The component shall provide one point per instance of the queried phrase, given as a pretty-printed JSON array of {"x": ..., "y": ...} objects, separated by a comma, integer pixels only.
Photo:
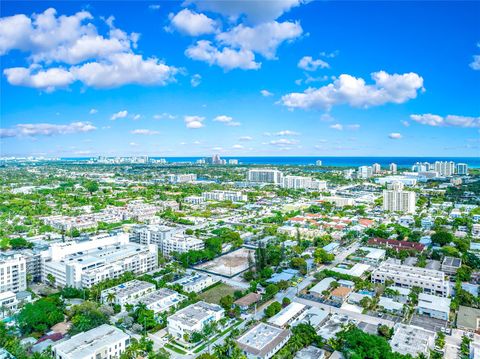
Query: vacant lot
[
  {"x": 214, "y": 294},
  {"x": 230, "y": 264}
]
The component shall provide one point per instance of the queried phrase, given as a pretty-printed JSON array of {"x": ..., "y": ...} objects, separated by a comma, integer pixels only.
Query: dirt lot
[
  {"x": 214, "y": 294},
  {"x": 229, "y": 264}
]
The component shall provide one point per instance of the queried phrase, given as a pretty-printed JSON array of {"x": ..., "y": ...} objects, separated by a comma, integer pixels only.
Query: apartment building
[
  {"x": 196, "y": 282},
  {"x": 265, "y": 175},
  {"x": 103, "y": 342},
  {"x": 161, "y": 300},
  {"x": 217, "y": 195},
  {"x": 462, "y": 169},
  {"x": 126, "y": 293},
  {"x": 85, "y": 263},
  {"x": 365, "y": 172},
  {"x": 181, "y": 178},
  {"x": 180, "y": 243},
  {"x": 263, "y": 341},
  {"x": 300, "y": 182},
  {"x": 13, "y": 273},
  {"x": 393, "y": 168},
  {"x": 444, "y": 168},
  {"x": 193, "y": 318},
  {"x": 194, "y": 199},
  {"x": 339, "y": 201},
  {"x": 434, "y": 306},
  {"x": 395, "y": 199},
  {"x": 431, "y": 281},
  {"x": 8, "y": 302}
]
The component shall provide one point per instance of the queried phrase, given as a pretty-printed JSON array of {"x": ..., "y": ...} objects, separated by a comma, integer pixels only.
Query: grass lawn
[
  {"x": 175, "y": 349},
  {"x": 214, "y": 294}
]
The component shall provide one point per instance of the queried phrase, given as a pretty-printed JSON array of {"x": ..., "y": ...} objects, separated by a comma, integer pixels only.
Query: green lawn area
[
  {"x": 214, "y": 294},
  {"x": 4, "y": 242},
  {"x": 175, "y": 349}
]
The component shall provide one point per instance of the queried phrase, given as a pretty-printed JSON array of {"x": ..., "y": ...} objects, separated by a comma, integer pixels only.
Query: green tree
[
  {"x": 40, "y": 315},
  {"x": 272, "y": 309}
]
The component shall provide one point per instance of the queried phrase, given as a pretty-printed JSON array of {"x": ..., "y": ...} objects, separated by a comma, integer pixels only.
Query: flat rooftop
[
  {"x": 195, "y": 313},
  {"x": 87, "y": 343},
  {"x": 409, "y": 339},
  {"x": 262, "y": 338},
  {"x": 127, "y": 289}
]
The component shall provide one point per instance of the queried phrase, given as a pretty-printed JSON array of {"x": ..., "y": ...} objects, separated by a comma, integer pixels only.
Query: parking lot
[
  {"x": 393, "y": 318},
  {"x": 435, "y": 325}
]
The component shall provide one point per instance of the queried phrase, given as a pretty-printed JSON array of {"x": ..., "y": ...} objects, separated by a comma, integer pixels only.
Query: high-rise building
[
  {"x": 13, "y": 273},
  {"x": 376, "y": 168},
  {"x": 393, "y": 167},
  {"x": 365, "y": 172},
  {"x": 300, "y": 182},
  {"x": 462, "y": 169},
  {"x": 218, "y": 195},
  {"x": 444, "y": 168},
  {"x": 395, "y": 199},
  {"x": 265, "y": 175},
  {"x": 181, "y": 178},
  {"x": 318, "y": 163},
  {"x": 233, "y": 162},
  {"x": 421, "y": 167}
]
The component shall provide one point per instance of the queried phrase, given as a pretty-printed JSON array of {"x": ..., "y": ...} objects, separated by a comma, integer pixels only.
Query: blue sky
[{"x": 250, "y": 78}]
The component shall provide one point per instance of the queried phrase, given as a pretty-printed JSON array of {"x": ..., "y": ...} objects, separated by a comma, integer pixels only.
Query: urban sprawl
[{"x": 139, "y": 258}]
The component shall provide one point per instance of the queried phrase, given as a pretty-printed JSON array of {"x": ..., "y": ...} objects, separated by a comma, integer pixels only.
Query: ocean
[{"x": 402, "y": 162}]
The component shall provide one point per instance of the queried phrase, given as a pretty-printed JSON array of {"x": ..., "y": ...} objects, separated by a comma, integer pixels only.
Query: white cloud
[
  {"x": 46, "y": 129},
  {"x": 405, "y": 123},
  {"x": 227, "y": 120},
  {"x": 154, "y": 7},
  {"x": 396, "y": 88},
  {"x": 226, "y": 58},
  {"x": 287, "y": 133},
  {"x": 263, "y": 39},
  {"x": 96, "y": 60},
  {"x": 143, "y": 131},
  {"x": 337, "y": 126},
  {"x": 283, "y": 142},
  {"x": 136, "y": 117},
  {"x": 353, "y": 127},
  {"x": 475, "y": 64},
  {"x": 119, "y": 114},
  {"x": 47, "y": 80},
  {"x": 238, "y": 147},
  {"x": 196, "y": 80},
  {"x": 266, "y": 93},
  {"x": 254, "y": 11},
  {"x": 395, "y": 136},
  {"x": 125, "y": 68},
  {"x": 307, "y": 63},
  {"x": 133, "y": 144},
  {"x": 194, "y": 121},
  {"x": 246, "y": 138},
  {"x": 93, "y": 111},
  {"x": 192, "y": 23},
  {"x": 164, "y": 116},
  {"x": 447, "y": 121},
  {"x": 326, "y": 117}
]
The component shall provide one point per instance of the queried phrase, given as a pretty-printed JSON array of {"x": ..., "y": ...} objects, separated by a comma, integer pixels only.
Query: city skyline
[{"x": 173, "y": 79}]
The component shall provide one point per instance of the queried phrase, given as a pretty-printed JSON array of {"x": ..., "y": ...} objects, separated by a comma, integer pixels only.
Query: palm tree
[
  {"x": 111, "y": 297},
  {"x": 128, "y": 307}
]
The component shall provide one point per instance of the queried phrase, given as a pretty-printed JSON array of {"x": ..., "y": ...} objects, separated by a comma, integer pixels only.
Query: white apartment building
[
  {"x": 395, "y": 199},
  {"x": 160, "y": 300},
  {"x": 217, "y": 195},
  {"x": 263, "y": 341},
  {"x": 431, "y": 281},
  {"x": 193, "y": 318},
  {"x": 196, "y": 282},
  {"x": 462, "y": 169},
  {"x": 103, "y": 342},
  {"x": 9, "y": 302},
  {"x": 365, "y": 172},
  {"x": 376, "y": 168},
  {"x": 300, "y": 182},
  {"x": 393, "y": 168},
  {"x": 444, "y": 168},
  {"x": 13, "y": 273},
  {"x": 126, "y": 293},
  {"x": 194, "y": 199},
  {"x": 434, "y": 306},
  {"x": 339, "y": 201},
  {"x": 182, "y": 178},
  {"x": 265, "y": 175},
  {"x": 180, "y": 243},
  {"x": 85, "y": 263}
]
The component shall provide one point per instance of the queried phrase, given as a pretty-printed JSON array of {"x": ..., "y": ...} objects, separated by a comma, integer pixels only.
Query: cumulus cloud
[
  {"x": 337, "y": 126},
  {"x": 263, "y": 39},
  {"x": 253, "y": 11},
  {"x": 143, "y": 131},
  {"x": 65, "y": 49},
  {"x": 283, "y": 142},
  {"x": 194, "y": 121},
  {"x": 395, "y": 136},
  {"x": 196, "y": 80},
  {"x": 387, "y": 88},
  {"x": 475, "y": 64},
  {"x": 307, "y": 63},
  {"x": 447, "y": 121},
  {"x": 287, "y": 133},
  {"x": 164, "y": 116},
  {"x": 238, "y": 147},
  {"x": 46, "y": 129},
  {"x": 227, "y": 120},
  {"x": 119, "y": 114},
  {"x": 266, "y": 93},
  {"x": 246, "y": 138},
  {"x": 154, "y": 7},
  {"x": 93, "y": 111},
  {"x": 192, "y": 23},
  {"x": 226, "y": 58},
  {"x": 405, "y": 123}
]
